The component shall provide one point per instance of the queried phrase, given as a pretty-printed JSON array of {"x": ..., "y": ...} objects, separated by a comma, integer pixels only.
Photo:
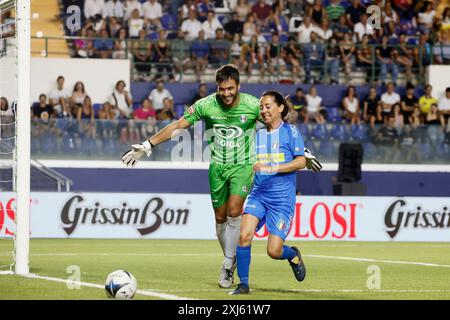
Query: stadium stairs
[{"x": 45, "y": 22}]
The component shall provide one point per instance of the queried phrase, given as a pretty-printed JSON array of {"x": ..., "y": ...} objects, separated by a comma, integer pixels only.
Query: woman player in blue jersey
[{"x": 279, "y": 154}]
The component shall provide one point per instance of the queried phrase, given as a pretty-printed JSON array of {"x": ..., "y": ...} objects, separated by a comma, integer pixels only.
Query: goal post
[{"x": 22, "y": 146}]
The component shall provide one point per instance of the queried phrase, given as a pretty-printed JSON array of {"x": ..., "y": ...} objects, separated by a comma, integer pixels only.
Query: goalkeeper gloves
[
  {"x": 131, "y": 157},
  {"x": 311, "y": 162}
]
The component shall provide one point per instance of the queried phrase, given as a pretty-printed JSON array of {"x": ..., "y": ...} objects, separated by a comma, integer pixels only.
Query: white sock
[
  {"x": 232, "y": 233},
  {"x": 220, "y": 231}
]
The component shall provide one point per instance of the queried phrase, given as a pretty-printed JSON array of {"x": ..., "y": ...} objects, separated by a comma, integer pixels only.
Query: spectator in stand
[
  {"x": 298, "y": 102},
  {"x": 236, "y": 51},
  {"x": 158, "y": 95},
  {"x": 422, "y": 52},
  {"x": 121, "y": 45},
  {"x": 350, "y": 104},
  {"x": 334, "y": 10},
  {"x": 114, "y": 8},
  {"x": 145, "y": 111},
  {"x": 389, "y": 19},
  {"x": 323, "y": 31},
  {"x": 292, "y": 56},
  {"x": 387, "y": 139},
  {"x": 426, "y": 18},
  {"x": 317, "y": 12},
  {"x": 93, "y": 8},
  {"x": 104, "y": 46},
  {"x": 113, "y": 27},
  {"x": 404, "y": 56},
  {"x": 106, "y": 128},
  {"x": 262, "y": 11},
  {"x": 416, "y": 118},
  {"x": 81, "y": 44},
  {"x": 183, "y": 11},
  {"x": 378, "y": 118},
  {"x": 242, "y": 10},
  {"x": 130, "y": 133},
  {"x": 364, "y": 57},
  {"x": 191, "y": 27},
  {"x": 435, "y": 119},
  {"x": 162, "y": 54},
  {"x": 354, "y": 12},
  {"x": 203, "y": 7},
  {"x": 341, "y": 28},
  {"x": 152, "y": 13},
  {"x": 389, "y": 98},
  {"x": 219, "y": 49},
  {"x": 249, "y": 28},
  {"x": 122, "y": 100},
  {"x": 399, "y": 119},
  {"x": 314, "y": 106},
  {"x": 85, "y": 118},
  {"x": 441, "y": 49},
  {"x": 135, "y": 24},
  {"x": 409, "y": 102},
  {"x": 233, "y": 27},
  {"x": 200, "y": 54},
  {"x": 59, "y": 98},
  {"x": 332, "y": 60},
  {"x": 404, "y": 9},
  {"x": 5, "y": 110},
  {"x": 386, "y": 58},
  {"x": 314, "y": 56},
  {"x": 201, "y": 93},
  {"x": 180, "y": 50},
  {"x": 211, "y": 25},
  {"x": 38, "y": 108},
  {"x": 305, "y": 30},
  {"x": 166, "y": 113},
  {"x": 276, "y": 64},
  {"x": 444, "y": 105},
  {"x": 142, "y": 53},
  {"x": 362, "y": 28},
  {"x": 371, "y": 103},
  {"x": 347, "y": 48},
  {"x": 78, "y": 95},
  {"x": 427, "y": 100},
  {"x": 295, "y": 7},
  {"x": 131, "y": 5}
]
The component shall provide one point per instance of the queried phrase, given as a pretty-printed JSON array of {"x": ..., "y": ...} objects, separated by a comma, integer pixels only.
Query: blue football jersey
[{"x": 279, "y": 146}]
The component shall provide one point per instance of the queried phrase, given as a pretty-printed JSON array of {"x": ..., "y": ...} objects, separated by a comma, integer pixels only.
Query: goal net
[{"x": 14, "y": 135}]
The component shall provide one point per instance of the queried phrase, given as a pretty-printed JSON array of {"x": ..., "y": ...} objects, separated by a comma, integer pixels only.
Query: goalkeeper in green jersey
[{"x": 230, "y": 117}]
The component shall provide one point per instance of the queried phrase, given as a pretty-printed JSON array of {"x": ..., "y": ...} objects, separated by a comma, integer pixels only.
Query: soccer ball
[{"x": 121, "y": 284}]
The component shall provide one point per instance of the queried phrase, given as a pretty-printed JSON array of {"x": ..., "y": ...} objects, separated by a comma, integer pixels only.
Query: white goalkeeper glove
[
  {"x": 137, "y": 151},
  {"x": 311, "y": 162}
]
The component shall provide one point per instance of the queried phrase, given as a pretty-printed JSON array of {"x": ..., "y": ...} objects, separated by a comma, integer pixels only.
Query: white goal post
[{"x": 22, "y": 151}]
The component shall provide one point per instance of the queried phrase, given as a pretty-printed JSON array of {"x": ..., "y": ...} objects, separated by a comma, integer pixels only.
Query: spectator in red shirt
[
  {"x": 262, "y": 11},
  {"x": 145, "y": 111}
]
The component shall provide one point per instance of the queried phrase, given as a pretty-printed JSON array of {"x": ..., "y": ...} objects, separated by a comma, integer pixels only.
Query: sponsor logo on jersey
[
  {"x": 275, "y": 145},
  {"x": 227, "y": 132},
  {"x": 218, "y": 118}
]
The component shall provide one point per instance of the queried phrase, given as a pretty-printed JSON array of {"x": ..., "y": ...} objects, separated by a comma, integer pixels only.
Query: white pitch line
[
  {"x": 98, "y": 286},
  {"x": 425, "y": 264},
  {"x": 320, "y": 290}
]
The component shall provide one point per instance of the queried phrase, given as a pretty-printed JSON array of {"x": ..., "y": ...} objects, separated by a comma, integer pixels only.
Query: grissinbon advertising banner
[{"x": 190, "y": 216}]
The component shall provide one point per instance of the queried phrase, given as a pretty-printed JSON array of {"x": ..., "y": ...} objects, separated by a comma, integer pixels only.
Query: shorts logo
[
  {"x": 191, "y": 110},
  {"x": 243, "y": 119},
  {"x": 281, "y": 225},
  {"x": 244, "y": 189}
]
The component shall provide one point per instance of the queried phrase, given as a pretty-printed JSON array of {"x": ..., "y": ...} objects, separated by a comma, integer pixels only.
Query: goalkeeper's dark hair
[
  {"x": 279, "y": 100},
  {"x": 228, "y": 71}
]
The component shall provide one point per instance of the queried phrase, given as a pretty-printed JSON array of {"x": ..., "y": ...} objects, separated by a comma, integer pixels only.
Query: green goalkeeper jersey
[{"x": 229, "y": 131}]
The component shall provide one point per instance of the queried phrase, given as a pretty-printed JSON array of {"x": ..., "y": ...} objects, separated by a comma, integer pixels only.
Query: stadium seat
[
  {"x": 339, "y": 132},
  {"x": 333, "y": 114},
  {"x": 326, "y": 149},
  {"x": 303, "y": 130},
  {"x": 169, "y": 22},
  {"x": 358, "y": 132},
  {"x": 319, "y": 132}
]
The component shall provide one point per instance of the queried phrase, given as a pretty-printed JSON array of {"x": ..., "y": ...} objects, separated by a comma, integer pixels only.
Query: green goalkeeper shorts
[{"x": 227, "y": 179}]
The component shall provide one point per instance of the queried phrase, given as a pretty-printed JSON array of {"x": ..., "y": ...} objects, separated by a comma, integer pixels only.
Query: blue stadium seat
[
  {"x": 339, "y": 132},
  {"x": 152, "y": 36},
  {"x": 169, "y": 22},
  {"x": 333, "y": 114},
  {"x": 369, "y": 150},
  {"x": 319, "y": 132},
  {"x": 97, "y": 107},
  {"x": 303, "y": 128},
  {"x": 326, "y": 149},
  {"x": 358, "y": 132}
]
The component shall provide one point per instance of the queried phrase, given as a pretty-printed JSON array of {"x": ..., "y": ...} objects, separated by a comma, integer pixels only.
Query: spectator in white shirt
[
  {"x": 152, "y": 13},
  {"x": 191, "y": 26},
  {"x": 304, "y": 32},
  {"x": 59, "y": 97},
  {"x": 323, "y": 31},
  {"x": 426, "y": 18},
  {"x": 211, "y": 25},
  {"x": 444, "y": 105},
  {"x": 135, "y": 24},
  {"x": 122, "y": 100},
  {"x": 313, "y": 106},
  {"x": 114, "y": 8},
  {"x": 362, "y": 27},
  {"x": 93, "y": 8},
  {"x": 158, "y": 95},
  {"x": 389, "y": 98},
  {"x": 130, "y": 5}
]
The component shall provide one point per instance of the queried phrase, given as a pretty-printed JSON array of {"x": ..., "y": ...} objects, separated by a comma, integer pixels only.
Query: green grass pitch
[{"x": 190, "y": 269}]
